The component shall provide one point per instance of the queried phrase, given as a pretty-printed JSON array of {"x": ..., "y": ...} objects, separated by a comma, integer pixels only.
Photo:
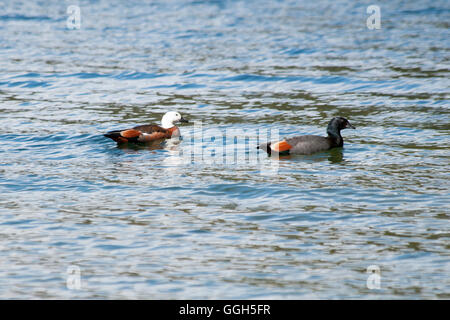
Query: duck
[
  {"x": 150, "y": 132},
  {"x": 309, "y": 144}
]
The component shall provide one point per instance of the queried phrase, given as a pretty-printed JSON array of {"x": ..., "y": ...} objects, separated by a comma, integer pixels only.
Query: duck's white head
[{"x": 171, "y": 118}]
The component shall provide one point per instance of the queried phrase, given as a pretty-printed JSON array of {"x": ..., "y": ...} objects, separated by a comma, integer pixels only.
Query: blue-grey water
[{"x": 156, "y": 223}]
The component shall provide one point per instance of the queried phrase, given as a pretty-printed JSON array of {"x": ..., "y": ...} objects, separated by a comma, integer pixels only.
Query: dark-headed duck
[{"x": 310, "y": 144}]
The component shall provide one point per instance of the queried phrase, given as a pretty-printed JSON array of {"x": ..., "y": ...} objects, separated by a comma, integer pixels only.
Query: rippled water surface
[{"x": 157, "y": 223}]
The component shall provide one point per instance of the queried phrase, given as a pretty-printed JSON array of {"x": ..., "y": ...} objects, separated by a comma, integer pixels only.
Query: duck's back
[
  {"x": 150, "y": 128},
  {"x": 309, "y": 144}
]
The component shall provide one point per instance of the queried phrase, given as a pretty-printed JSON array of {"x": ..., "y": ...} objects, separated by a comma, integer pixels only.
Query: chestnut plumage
[{"x": 150, "y": 132}]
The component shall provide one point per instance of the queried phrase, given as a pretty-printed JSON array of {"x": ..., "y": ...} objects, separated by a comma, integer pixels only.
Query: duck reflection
[
  {"x": 138, "y": 147},
  {"x": 161, "y": 144},
  {"x": 335, "y": 155}
]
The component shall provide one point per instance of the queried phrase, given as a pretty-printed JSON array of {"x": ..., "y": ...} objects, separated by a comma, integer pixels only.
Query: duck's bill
[
  {"x": 349, "y": 125},
  {"x": 184, "y": 120}
]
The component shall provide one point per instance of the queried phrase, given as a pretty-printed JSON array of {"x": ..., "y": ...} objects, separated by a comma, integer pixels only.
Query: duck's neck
[
  {"x": 334, "y": 134},
  {"x": 167, "y": 124}
]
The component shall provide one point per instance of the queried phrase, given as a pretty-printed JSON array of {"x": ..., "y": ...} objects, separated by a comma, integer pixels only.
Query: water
[{"x": 154, "y": 223}]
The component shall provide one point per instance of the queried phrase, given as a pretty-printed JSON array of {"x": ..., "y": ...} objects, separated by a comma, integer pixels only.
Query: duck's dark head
[{"x": 337, "y": 124}]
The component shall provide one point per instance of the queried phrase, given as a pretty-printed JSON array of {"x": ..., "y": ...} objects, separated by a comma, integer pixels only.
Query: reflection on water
[
  {"x": 190, "y": 218},
  {"x": 336, "y": 155},
  {"x": 153, "y": 145}
]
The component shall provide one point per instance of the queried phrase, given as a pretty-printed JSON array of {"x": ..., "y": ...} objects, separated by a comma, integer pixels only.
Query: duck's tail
[
  {"x": 265, "y": 147},
  {"x": 123, "y": 136},
  {"x": 115, "y": 135},
  {"x": 281, "y": 147}
]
